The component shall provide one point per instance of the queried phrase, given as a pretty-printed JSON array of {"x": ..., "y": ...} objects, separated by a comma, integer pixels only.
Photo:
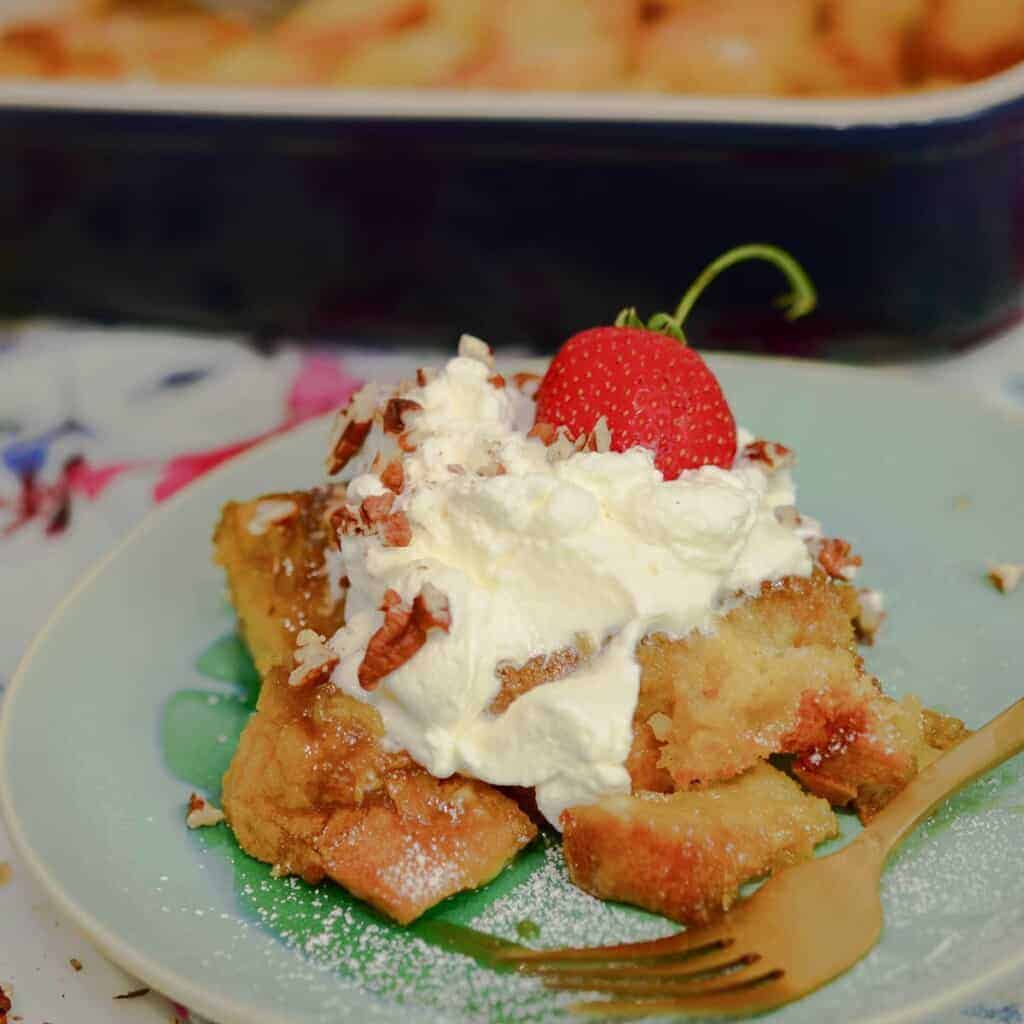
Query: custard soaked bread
[
  {"x": 686, "y": 854},
  {"x": 779, "y": 675},
  {"x": 310, "y": 789}
]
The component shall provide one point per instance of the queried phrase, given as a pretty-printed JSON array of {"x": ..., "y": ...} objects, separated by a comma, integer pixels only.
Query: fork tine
[
  {"x": 748, "y": 971},
  {"x": 692, "y": 942},
  {"x": 764, "y": 992},
  {"x": 683, "y": 966}
]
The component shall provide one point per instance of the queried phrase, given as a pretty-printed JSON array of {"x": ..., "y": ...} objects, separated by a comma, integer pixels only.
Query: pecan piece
[
  {"x": 403, "y": 633},
  {"x": 835, "y": 558},
  {"x": 314, "y": 660},
  {"x": 395, "y": 412},
  {"x": 393, "y": 476},
  {"x": 201, "y": 813},
  {"x": 773, "y": 455},
  {"x": 342, "y": 522},
  {"x": 395, "y": 531},
  {"x": 527, "y": 383},
  {"x": 351, "y": 428},
  {"x": 376, "y": 508},
  {"x": 1006, "y": 576}
]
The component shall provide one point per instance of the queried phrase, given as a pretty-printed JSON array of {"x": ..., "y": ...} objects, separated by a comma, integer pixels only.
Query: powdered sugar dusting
[{"x": 565, "y": 915}]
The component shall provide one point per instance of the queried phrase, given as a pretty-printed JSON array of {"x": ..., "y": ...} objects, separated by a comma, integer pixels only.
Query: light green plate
[{"x": 135, "y": 694}]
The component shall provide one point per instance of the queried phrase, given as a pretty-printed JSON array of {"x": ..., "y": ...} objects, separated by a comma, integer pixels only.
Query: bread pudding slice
[
  {"x": 310, "y": 789},
  {"x": 686, "y": 854},
  {"x": 780, "y": 674}
]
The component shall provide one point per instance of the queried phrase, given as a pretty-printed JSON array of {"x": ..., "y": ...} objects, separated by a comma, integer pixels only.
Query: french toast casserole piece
[{"x": 312, "y": 791}]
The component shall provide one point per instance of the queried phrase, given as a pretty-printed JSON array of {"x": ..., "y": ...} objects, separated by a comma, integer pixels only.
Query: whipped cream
[{"x": 536, "y": 553}]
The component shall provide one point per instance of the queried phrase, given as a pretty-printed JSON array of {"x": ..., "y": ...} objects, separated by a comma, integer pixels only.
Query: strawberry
[{"x": 652, "y": 390}]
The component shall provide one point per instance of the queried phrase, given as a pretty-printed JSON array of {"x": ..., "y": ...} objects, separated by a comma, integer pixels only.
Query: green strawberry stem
[{"x": 798, "y": 302}]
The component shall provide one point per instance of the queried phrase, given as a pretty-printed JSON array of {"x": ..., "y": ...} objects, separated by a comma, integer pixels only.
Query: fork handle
[{"x": 992, "y": 744}]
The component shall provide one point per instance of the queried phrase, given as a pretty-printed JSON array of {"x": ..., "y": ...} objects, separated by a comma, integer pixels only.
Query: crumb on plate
[
  {"x": 201, "y": 813},
  {"x": 1006, "y": 576}
]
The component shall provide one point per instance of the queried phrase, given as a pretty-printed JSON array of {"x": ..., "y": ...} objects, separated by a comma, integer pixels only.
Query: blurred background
[{"x": 397, "y": 171}]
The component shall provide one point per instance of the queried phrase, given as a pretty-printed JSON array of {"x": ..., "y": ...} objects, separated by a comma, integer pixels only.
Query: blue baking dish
[{"x": 412, "y": 216}]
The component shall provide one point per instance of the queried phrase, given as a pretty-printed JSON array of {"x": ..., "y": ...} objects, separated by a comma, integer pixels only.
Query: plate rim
[{"x": 223, "y": 1010}]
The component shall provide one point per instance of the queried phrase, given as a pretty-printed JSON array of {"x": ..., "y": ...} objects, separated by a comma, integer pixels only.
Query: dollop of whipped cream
[{"x": 538, "y": 554}]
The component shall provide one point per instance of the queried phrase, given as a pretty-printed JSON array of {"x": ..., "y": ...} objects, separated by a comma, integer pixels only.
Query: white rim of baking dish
[{"x": 140, "y": 97}]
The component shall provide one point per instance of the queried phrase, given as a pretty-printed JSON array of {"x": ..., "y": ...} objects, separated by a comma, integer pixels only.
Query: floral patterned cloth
[{"x": 97, "y": 426}]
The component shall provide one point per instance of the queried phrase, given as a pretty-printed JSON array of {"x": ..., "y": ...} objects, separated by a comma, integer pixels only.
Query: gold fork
[{"x": 803, "y": 927}]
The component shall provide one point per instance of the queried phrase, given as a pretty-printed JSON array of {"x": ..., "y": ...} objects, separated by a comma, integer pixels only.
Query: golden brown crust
[
  {"x": 779, "y": 675},
  {"x": 706, "y": 47},
  {"x": 686, "y": 854},
  {"x": 310, "y": 790},
  {"x": 276, "y": 578}
]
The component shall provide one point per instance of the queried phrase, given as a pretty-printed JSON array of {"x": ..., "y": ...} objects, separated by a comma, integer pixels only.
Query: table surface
[{"x": 96, "y": 426}]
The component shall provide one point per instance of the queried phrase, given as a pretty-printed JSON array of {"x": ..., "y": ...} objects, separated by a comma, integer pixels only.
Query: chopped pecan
[
  {"x": 201, "y": 813},
  {"x": 393, "y": 476},
  {"x": 341, "y": 521},
  {"x": 424, "y": 375},
  {"x": 527, "y": 383},
  {"x": 376, "y": 507},
  {"x": 351, "y": 428},
  {"x": 835, "y": 558},
  {"x": 1006, "y": 576},
  {"x": 395, "y": 531},
  {"x": 496, "y": 380},
  {"x": 314, "y": 660},
  {"x": 403, "y": 633},
  {"x": 773, "y": 455},
  {"x": 395, "y": 412},
  {"x": 6, "y": 994}
]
